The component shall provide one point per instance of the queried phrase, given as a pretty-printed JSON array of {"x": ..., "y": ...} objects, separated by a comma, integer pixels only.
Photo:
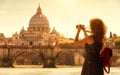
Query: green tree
[
  {"x": 117, "y": 41},
  {"x": 115, "y": 35}
]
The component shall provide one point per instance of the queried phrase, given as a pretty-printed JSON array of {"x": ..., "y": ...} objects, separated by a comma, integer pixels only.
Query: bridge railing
[{"x": 40, "y": 47}]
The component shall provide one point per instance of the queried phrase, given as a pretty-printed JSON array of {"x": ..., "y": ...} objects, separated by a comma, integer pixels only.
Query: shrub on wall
[{"x": 117, "y": 41}]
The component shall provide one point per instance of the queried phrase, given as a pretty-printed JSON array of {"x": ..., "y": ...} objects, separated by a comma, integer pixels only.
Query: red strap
[
  {"x": 106, "y": 58},
  {"x": 107, "y": 71}
]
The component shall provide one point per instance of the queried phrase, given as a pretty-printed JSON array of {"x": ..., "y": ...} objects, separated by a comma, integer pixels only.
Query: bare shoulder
[{"x": 90, "y": 39}]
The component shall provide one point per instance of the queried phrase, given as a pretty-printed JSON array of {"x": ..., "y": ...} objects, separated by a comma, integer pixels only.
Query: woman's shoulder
[{"x": 90, "y": 39}]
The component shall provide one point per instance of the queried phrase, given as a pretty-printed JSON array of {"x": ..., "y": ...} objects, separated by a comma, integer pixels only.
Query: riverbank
[{"x": 50, "y": 71}]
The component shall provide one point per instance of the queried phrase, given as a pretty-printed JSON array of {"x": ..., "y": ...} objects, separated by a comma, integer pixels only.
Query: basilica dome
[{"x": 39, "y": 22}]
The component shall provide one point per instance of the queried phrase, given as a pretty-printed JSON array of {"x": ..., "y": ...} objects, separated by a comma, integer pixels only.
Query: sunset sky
[{"x": 63, "y": 14}]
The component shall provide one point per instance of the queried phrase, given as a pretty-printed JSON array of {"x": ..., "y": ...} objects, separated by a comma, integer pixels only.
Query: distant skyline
[{"x": 63, "y": 14}]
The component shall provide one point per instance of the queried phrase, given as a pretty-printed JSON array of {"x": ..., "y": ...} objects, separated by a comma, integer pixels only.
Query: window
[
  {"x": 30, "y": 43},
  {"x": 22, "y": 44}
]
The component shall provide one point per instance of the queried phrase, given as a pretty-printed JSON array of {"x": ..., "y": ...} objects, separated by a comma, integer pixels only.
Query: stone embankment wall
[{"x": 115, "y": 60}]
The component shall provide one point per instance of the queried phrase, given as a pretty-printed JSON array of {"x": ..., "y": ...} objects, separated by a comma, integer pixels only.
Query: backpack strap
[
  {"x": 107, "y": 71},
  {"x": 106, "y": 62}
]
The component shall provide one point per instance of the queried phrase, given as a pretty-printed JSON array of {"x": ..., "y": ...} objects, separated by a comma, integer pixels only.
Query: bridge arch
[
  {"x": 70, "y": 57},
  {"x": 118, "y": 61},
  {"x": 35, "y": 55}
]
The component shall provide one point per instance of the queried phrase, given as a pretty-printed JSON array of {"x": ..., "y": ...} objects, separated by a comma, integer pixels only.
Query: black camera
[{"x": 82, "y": 26}]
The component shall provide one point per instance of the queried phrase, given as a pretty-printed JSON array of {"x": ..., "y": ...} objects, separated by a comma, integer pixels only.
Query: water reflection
[{"x": 49, "y": 71}]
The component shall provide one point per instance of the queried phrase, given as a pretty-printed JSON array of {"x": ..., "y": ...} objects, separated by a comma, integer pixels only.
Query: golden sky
[{"x": 63, "y": 14}]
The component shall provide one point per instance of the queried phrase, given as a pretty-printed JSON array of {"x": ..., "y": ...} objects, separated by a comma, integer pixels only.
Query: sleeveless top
[{"x": 93, "y": 62}]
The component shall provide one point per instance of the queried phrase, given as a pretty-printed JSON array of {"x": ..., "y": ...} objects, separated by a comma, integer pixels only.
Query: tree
[
  {"x": 117, "y": 41},
  {"x": 115, "y": 35}
]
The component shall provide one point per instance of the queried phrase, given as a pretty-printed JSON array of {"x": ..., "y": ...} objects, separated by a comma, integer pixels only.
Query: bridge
[{"x": 47, "y": 55}]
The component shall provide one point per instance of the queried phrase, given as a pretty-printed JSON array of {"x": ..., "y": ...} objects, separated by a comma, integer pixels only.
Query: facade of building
[
  {"x": 2, "y": 39},
  {"x": 37, "y": 33}
]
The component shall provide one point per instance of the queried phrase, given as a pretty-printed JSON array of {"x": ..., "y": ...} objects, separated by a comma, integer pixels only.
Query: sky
[{"x": 64, "y": 15}]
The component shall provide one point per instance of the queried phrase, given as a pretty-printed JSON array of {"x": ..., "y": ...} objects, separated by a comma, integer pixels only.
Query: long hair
[{"x": 98, "y": 29}]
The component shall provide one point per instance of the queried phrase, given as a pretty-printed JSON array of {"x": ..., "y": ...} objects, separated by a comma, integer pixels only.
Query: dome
[
  {"x": 39, "y": 22},
  {"x": 39, "y": 19}
]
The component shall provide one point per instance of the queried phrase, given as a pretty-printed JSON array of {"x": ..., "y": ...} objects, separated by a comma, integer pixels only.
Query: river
[{"x": 49, "y": 71}]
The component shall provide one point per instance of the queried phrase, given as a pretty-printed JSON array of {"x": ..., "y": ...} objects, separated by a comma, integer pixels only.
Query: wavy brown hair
[{"x": 98, "y": 29}]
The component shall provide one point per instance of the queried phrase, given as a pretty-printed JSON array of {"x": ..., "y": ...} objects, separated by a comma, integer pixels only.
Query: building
[
  {"x": 37, "y": 33},
  {"x": 2, "y": 39}
]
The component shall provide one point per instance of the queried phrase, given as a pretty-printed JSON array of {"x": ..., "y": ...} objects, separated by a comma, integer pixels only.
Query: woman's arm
[
  {"x": 83, "y": 41},
  {"x": 77, "y": 35},
  {"x": 85, "y": 33}
]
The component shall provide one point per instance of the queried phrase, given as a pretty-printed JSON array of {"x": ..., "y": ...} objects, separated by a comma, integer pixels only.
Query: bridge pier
[
  {"x": 49, "y": 63},
  {"x": 6, "y": 60},
  {"x": 7, "y": 63},
  {"x": 48, "y": 57}
]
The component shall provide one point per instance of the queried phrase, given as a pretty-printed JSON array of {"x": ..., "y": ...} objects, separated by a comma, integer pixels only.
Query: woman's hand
[{"x": 79, "y": 27}]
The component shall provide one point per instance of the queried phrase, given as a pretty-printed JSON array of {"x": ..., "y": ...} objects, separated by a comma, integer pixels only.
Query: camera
[{"x": 82, "y": 26}]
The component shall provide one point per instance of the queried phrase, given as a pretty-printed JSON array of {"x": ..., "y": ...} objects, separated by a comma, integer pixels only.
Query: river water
[{"x": 49, "y": 71}]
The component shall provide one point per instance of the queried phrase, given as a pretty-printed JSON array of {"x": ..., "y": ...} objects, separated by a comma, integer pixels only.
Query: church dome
[
  {"x": 39, "y": 22},
  {"x": 39, "y": 19}
]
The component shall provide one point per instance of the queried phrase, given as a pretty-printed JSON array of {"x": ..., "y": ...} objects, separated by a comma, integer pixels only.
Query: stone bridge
[{"x": 48, "y": 56}]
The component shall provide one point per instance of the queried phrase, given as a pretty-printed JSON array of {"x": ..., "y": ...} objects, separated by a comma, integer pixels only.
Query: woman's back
[
  {"x": 93, "y": 62},
  {"x": 93, "y": 50}
]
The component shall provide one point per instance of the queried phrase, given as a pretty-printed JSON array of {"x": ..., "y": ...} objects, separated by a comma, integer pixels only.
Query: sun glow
[{"x": 69, "y": 1}]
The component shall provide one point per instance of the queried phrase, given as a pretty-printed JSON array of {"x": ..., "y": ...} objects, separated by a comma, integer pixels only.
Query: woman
[{"x": 93, "y": 45}]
